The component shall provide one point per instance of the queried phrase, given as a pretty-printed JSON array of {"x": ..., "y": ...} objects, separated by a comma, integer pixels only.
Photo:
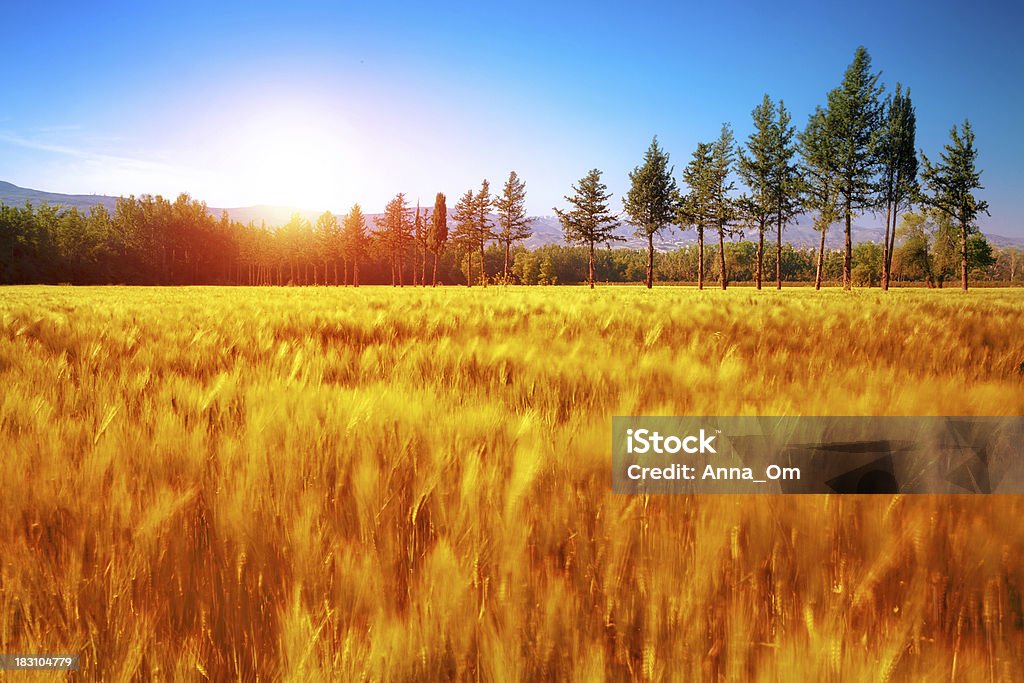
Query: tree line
[
  {"x": 152, "y": 241},
  {"x": 856, "y": 154}
]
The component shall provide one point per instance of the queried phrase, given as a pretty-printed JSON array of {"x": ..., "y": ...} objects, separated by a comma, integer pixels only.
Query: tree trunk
[
  {"x": 700, "y": 257},
  {"x": 504, "y": 275},
  {"x": 650, "y": 260},
  {"x": 721, "y": 256},
  {"x": 469, "y": 268},
  {"x": 778, "y": 253},
  {"x": 436, "y": 253},
  {"x": 885, "y": 248},
  {"x": 483, "y": 271},
  {"x": 848, "y": 256},
  {"x": 591, "y": 265},
  {"x": 423, "y": 278},
  {"x": 760, "y": 253},
  {"x": 963, "y": 256},
  {"x": 892, "y": 235},
  {"x": 821, "y": 261}
]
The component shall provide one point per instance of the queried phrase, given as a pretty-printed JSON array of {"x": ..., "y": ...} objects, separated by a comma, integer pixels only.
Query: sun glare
[{"x": 292, "y": 157}]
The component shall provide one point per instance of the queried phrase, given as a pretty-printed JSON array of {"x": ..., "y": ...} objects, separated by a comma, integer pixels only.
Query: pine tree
[
  {"x": 482, "y": 226},
  {"x": 418, "y": 233},
  {"x": 695, "y": 207},
  {"x": 394, "y": 234},
  {"x": 950, "y": 184},
  {"x": 438, "y": 233},
  {"x": 854, "y": 112},
  {"x": 512, "y": 223},
  {"x": 898, "y": 161},
  {"x": 423, "y": 242},
  {"x": 787, "y": 184},
  {"x": 465, "y": 235},
  {"x": 328, "y": 237},
  {"x": 820, "y": 179},
  {"x": 652, "y": 200},
  {"x": 589, "y": 221},
  {"x": 722, "y": 207},
  {"x": 354, "y": 240},
  {"x": 756, "y": 166}
]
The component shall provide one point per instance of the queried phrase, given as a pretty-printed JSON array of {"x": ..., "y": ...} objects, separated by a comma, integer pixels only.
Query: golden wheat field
[{"x": 414, "y": 484}]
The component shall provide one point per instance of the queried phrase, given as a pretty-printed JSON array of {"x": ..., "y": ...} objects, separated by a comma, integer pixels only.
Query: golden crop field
[{"x": 415, "y": 484}]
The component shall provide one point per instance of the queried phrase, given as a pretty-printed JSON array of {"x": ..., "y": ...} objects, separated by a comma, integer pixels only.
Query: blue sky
[{"x": 322, "y": 105}]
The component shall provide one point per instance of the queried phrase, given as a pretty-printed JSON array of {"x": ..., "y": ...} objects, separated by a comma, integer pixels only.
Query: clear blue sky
[{"x": 323, "y": 105}]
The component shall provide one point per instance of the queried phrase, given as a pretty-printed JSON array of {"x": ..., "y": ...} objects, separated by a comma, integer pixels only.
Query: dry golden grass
[{"x": 382, "y": 484}]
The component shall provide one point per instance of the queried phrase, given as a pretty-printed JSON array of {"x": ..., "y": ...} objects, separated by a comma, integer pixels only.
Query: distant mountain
[
  {"x": 546, "y": 229},
  {"x": 273, "y": 216},
  {"x": 12, "y": 195},
  {"x": 801, "y": 233}
]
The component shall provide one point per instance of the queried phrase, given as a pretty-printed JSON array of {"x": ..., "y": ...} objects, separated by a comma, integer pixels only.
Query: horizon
[
  {"x": 299, "y": 108},
  {"x": 674, "y": 236}
]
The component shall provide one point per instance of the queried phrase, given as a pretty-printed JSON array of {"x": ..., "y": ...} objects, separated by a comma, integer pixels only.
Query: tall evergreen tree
[
  {"x": 898, "y": 160},
  {"x": 354, "y": 238},
  {"x": 328, "y": 236},
  {"x": 482, "y": 224},
  {"x": 512, "y": 223},
  {"x": 652, "y": 199},
  {"x": 820, "y": 179},
  {"x": 950, "y": 184},
  {"x": 589, "y": 221},
  {"x": 854, "y": 112},
  {"x": 786, "y": 184},
  {"x": 438, "y": 233},
  {"x": 756, "y": 167},
  {"x": 722, "y": 206},
  {"x": 695, "y": 208},
  {"x": 465, "y": 234},
  {"x": 425, "y": 243},
  {"x": 395, "y": 234},
  {"x": 420, "y": 237}
]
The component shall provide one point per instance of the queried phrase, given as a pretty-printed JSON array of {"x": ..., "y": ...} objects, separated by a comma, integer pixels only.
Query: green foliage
[
  {"x": 819, "y": 169},
  {"x": 897, "y": 157},
  {"x": 721, "y": 208},
  {"x": 854, "y": 118},
  {"x": 589, "y": 221},
  {"x": 929, "y": 249},
  {"x": 695, "y": 207},
  {"x": 439, "y": 224},
  {"x": 650, "y": 202},
  {"x": 512, "y": 223},
  {"x": 464, "y": 215},
  {"x": 867, "y": 264},
  {"x": 950, "y": 185},
  {"x": 895, "y": 146},
  {"x": 756, "y": 165}
]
